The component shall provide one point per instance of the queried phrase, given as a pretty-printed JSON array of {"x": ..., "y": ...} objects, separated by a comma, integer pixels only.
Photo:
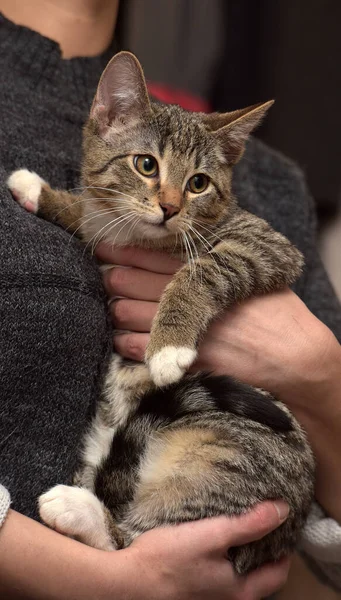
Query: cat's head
[{"x": 164, "y": 170}]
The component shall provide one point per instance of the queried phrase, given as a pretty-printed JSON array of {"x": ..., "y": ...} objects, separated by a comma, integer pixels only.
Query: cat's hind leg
[
  {"x": 78, "y": 513},
  {"x": 36, "y": 196}
]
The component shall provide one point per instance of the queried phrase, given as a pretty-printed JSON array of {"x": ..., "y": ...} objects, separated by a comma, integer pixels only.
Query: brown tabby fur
[{"x": 179, "y": 450}]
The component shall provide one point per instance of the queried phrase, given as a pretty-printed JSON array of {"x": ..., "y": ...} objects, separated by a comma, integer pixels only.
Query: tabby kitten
[{"x": 165, "y": 447}]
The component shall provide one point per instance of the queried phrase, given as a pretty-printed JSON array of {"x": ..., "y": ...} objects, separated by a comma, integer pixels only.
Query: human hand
[
  {"x": 272, "y": 341},
  {"x": 189, "y": 560},
  {"x": 174, "y": 563}
]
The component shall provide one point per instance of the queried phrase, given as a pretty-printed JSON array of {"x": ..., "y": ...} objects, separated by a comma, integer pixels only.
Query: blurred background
[{"x": 227, "y": 54}]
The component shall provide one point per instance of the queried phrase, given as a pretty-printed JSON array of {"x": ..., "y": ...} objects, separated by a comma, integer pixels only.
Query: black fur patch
[
  {"x": 245, "y": 401},
  {"x": 228, "y": 394}
]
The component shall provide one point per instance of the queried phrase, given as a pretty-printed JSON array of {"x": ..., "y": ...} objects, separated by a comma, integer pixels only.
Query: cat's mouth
[{"x": 156, "y": 226}]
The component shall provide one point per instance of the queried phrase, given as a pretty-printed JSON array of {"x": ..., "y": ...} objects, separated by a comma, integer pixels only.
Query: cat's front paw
[
  {"x": 26, "y": 188},
  {"x": 169, "y": 364},
  {"x": 75, "y": 512}
]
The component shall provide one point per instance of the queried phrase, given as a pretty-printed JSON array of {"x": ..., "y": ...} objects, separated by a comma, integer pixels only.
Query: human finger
[
  {"x": 226, "y": 532},
  {"x": 131, "y": 345},
  {"x": 150, "y": 260},
  {"x": 135, "y": 283},
  {"x": 217, "y": 534},
  {"x": 258, "y": 522},
  {"x": 133, "y": 315},
  {"x": 267, "y": 580}
]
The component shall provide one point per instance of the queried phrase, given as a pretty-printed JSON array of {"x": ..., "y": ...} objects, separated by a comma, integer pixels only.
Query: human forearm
[
  {"x": 38, "y": 563},
  {"x": 173, "y": 563},
  {"x": 323, "y": 426},
  {"x": 315, "y": 399}
]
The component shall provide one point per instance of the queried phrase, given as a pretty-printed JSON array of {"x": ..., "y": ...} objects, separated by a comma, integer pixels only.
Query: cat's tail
[{"x": 202, "y": 392}]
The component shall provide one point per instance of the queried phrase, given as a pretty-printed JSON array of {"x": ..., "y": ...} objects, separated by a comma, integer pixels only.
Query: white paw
[
  {"x": 75, "y": 512},
  {"x": 26, "y": 188},
  {"x": 169, "y": 364}
]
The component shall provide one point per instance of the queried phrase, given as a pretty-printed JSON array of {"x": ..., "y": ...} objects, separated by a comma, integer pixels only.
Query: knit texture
[
  {"x": 54, "y": 332},
  {"x": 321, "y": 544},
  {"x": 5, "y": 501}
]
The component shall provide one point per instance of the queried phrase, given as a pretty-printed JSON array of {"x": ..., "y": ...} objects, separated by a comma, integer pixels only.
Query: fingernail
[{"x": 282, "y": 509}]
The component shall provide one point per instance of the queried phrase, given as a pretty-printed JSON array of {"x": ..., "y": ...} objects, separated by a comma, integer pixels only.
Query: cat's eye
[
  {"x": 146, "y": 165},
  {"x": 198, "y": 183}
]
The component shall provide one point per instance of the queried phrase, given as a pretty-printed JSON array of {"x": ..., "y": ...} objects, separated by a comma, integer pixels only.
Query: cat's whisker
[
  {"x": 194, "y": 264},
  {"x": 70, "y": 206},
  {"x": 197, "y": 261},
  {"x": 85, "y": 221},
  {"x": 189, "y": 257},
  {"x": 93, "y": 187},
  {"x": 209, "y": 248},
  {"x": 94, "y": 216},
  {"x": 114, "y": 202},
  {"x": 106, "y": 228},
  {"x": 98, "y": 212},
  {"x": 201, "y": 238},
  {"x": 83, "y": 188},
  {"x": 191, "y": 252},
  {"x": 132, "y": 227},
  {"x": 119, "y": 231},
  {"x": 103, "y": 236},
  {"x": 102, "y": 213},
  {"x": 100, "y": 235},
  {"x": 204, "y": 243},
  {"x": 212, "y": 233},
  {"x": 175, "y": 243},
  {"x": 102, "y": 232},
  {"x": 185, "y": 246},
  {"x": 183, "y": 254},
  {"x": 193, "y": 261}
]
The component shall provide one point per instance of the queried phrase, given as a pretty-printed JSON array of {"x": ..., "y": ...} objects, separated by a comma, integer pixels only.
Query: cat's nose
[{"x": 169, "y": 210}]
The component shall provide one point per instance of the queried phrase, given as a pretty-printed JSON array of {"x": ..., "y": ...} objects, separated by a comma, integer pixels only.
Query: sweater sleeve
[
  {"x": 54, "y": 345},
  {"x": 5, "y": 502}
]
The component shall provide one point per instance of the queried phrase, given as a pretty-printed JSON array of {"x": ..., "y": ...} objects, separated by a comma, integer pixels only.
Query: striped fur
[{"x": 166, "y": 447}]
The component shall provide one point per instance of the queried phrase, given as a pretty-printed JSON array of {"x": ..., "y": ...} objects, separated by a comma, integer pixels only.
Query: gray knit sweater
[{"x": 54, "y": 333}]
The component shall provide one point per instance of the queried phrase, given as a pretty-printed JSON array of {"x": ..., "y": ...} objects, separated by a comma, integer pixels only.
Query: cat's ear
[
  {"x": 232, "y": 129},
  {"x": 121, "y": 95}
]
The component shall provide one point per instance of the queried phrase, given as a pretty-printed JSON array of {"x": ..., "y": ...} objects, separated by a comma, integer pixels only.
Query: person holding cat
[{"x": 32, "y": 439}]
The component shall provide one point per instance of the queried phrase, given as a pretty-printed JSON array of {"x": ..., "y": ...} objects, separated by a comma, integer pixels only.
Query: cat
[{"x": 166, "y": 446}]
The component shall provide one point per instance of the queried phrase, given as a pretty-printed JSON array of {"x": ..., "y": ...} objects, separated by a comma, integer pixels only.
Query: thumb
[
  {"x": 258, "y": 522},
  {"x": 217, "y": 534}
]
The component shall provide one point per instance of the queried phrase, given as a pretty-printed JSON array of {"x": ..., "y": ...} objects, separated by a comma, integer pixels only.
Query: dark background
[{"x": 232, "y": 53}]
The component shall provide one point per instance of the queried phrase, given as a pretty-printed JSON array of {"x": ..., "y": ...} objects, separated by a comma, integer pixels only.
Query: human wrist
[
  {"x": 319, "y": 413},
  {"x": 315, "y": 399},
  {"x": 135, "y": 577},
  {"x": 39, "y": 564},
  {"x": 315, "y": 390},
  {"x": 143, "y": 574},
  {"x": 326, "y": 445}
]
